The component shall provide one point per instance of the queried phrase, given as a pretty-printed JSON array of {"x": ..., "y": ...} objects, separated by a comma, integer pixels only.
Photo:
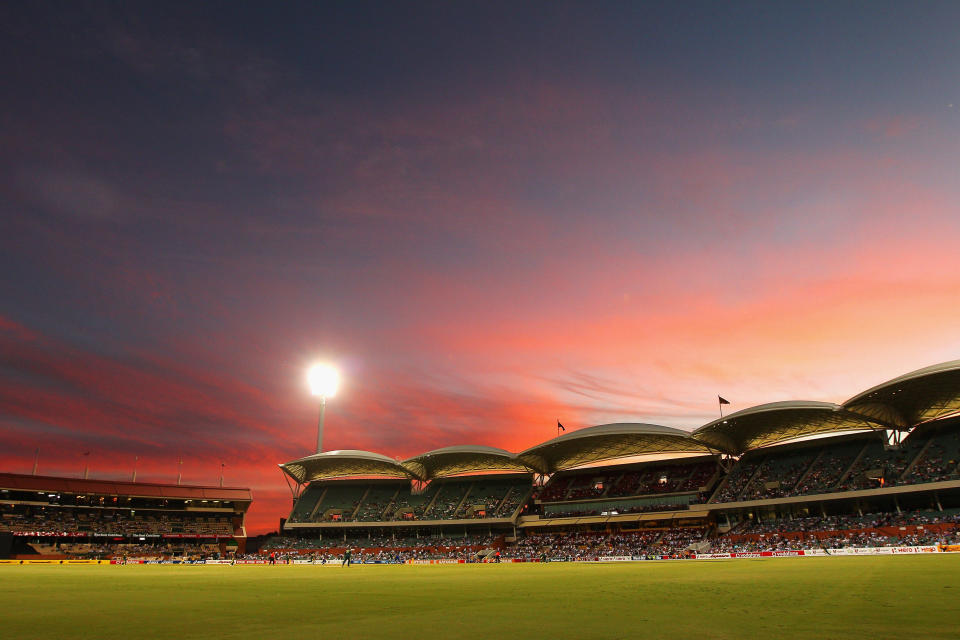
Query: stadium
[
  {"x": 875, "y": 477},
  {"x": 876, "y": 474}
]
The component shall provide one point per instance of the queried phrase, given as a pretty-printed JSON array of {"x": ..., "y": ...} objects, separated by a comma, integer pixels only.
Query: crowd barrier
[
  {"x": 55, "y": 562},
  {"x": 438, "y": 561},
  {"x": 846, "y": 551}
]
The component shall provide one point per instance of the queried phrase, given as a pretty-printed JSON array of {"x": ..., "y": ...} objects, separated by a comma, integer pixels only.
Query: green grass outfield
[{"x": 781, "y": 598}]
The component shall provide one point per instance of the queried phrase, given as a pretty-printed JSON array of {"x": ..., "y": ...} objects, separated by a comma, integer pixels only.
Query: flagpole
[
  {"x": 179, "y": 469},
  {"x": 222, "y": 464},
  {"x": 721, "y": 401},
  {"x": 36, "y": 460},
  {"x": 86, "y": 466},
  {"x": 135, "y": 460}
]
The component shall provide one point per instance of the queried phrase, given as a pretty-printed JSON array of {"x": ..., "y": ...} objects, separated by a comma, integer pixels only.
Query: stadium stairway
[
  {"x": 753, "y": 476},
  {"x": 433, "y": 501},
  {"x": 486, "y": 554},
  {"x": 720, "y": 485},
  {"x": 810, "y": 467},
  {"x": 703, "y": 546},
  {"x": 726, "y": 481},
  {"x": 316, "y": 507},
  {"x": 463, "y": 500},
  {"x": 356, "y": 510},
  {"x": 520, "y": 504},
  {"x": 388, "y": 508},
  {"x": 852, "y": 466},
  {"x": 923, "y": 451},
  {"x": 503, "y": 500},
  {"x": 713, "y": 479}
]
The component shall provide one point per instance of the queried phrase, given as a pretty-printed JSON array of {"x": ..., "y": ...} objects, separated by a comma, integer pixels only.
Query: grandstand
[
  {"x": 775, "y": 476},
  {"x": 66, "y": 517}
]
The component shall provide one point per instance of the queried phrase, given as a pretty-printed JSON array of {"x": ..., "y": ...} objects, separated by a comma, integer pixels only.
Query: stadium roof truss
[
  {"x": 607, "y": 442},
  {"x": 345, "y": 463},
  {"x": 911, "y": 399},
  {"x": 593, "y": 444},
  {"x": 451, "y": 461},
  {"x": 20, "y": 482},
  {"x": 775, "y": 422}
]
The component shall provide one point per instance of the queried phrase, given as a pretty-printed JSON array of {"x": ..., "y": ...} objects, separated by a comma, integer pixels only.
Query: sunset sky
[{"x": 487, "y": 215}]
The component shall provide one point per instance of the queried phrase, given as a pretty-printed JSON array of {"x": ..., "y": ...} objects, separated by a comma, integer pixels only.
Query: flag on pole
[
  {"x": 722, "y": 401},
  {"x": 560, "y": 426}
]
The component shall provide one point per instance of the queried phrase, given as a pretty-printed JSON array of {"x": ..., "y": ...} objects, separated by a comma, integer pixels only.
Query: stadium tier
[
  {"x": 95, "y": 518},
  {"x": 389, "y": 501},
  {"x": 788, "y": 469}
]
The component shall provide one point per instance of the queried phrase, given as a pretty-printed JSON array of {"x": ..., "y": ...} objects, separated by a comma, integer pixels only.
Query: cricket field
[{"x": 781, "y": 598}]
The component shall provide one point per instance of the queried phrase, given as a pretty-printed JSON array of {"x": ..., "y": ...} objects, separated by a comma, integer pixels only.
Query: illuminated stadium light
[{"x": 323, "y": 380}]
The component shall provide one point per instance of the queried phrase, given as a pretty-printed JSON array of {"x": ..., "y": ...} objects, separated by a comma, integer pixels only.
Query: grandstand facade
[
  {"x": 790, "y": 470},
  {"x": 68, "y": 517}
]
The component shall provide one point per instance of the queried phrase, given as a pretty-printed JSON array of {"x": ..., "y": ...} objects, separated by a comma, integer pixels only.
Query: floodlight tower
[{"x": 323, "y": 380}]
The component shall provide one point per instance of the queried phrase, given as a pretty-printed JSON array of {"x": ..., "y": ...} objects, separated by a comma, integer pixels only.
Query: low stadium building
[{"x": 69, "y": 517}]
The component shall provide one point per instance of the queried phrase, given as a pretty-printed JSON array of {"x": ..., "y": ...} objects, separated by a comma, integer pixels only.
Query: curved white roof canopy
[
  {"x": 913, "y": 398},
  {"x": 450, "y": 461},
  {"x": 607, "y": 442},
  {"x": 345, "y": 463},
  {"x": 774, "y": 422}
]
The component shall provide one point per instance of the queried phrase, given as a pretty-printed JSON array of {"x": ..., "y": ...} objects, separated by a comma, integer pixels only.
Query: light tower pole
[
  {"x": 323, "y": 380},
  {"x": 323, "y": 409}
]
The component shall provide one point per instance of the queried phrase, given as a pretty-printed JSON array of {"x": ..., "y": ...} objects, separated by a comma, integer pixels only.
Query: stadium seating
[
  {"x": 469, "y": 497},
  {"x": 879, "y": 467},
  {"x": 843, "y": 530},
  {"x": 556, "y": 490},
  {"x": 649, "y": 479},
  {"x": 303, "y": 509},
  {"x": 83, "y": 550},
  {"x": 777, "y": 475},
  {"x": 492, "y": 497},
  {"x": 736, "y": 481},
  {"x": 591, "y": 546},
  {"x": 865, "y": 462},
  {"x": 340, "y": 501},
  {"x": 939, "y": 462},
  {"x": 449, "y": 497},
  {"x": 379, "y": 548},
  {"x": 57, "y": 520},
  {"x": 375, "y": 502},
  {"x": 829, "y": 466},
  {"x": 410, "y": 505}
]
